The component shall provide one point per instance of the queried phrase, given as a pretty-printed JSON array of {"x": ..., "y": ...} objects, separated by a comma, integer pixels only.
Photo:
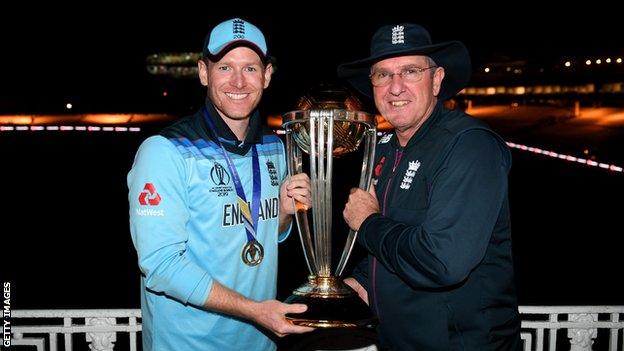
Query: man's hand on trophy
[
  {"x": 360, "y": 205},
  {"x": 271, "y": 314},
  {"x": 296, "y": 187}
]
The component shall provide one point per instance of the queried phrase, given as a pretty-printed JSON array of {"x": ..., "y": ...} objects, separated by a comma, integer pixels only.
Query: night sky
[{"x": 95, "y": 57}]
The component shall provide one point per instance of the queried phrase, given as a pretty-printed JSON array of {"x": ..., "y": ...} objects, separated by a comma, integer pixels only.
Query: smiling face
[
  {"x": 403, "y": 103},
  {"x": 235, "y": 83}
]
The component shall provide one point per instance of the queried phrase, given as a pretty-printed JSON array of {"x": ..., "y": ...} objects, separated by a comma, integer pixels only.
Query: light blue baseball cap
[{"x": 233, "y": 33}]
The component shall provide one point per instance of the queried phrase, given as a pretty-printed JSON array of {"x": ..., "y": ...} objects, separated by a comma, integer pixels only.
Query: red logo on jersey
[
  {"x": 149, "y": 195},
  {"x": 379, "y": 166}
]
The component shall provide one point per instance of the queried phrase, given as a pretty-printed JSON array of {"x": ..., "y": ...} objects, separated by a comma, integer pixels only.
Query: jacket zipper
[{"x": 397, "y": 158}]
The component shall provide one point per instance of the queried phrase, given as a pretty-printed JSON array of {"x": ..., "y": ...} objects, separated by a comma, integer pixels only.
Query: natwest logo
[{"x": 149, "y": 196}]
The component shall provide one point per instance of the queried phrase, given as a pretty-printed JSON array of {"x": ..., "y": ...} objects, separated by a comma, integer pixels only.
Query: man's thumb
[{"x": 298, "y": 308}]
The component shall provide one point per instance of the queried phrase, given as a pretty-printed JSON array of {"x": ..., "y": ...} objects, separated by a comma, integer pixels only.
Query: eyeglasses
[{"x": 408, "y": 74}]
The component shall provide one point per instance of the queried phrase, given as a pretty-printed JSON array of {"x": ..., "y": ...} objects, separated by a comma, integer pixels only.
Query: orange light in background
[
  {"x": 382, "y": 124},
  {"x": 93, "y": 118},
  {"x": 106, "y": 118},
  {"x": 16, "y": 119},
  {"x": 274, "y": 121},
  {"x": 150, "y": 117},
  {"x": 52, "y": 119},
  {"x": 613, "y": 119}
]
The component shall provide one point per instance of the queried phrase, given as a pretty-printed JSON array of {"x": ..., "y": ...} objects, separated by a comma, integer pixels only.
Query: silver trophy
[{"x": 326, "y": 130}]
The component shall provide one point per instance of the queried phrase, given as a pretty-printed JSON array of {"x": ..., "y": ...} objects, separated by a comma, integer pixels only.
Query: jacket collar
[
  {"x": 422, "y": 131},
  {"x": 227, "y": 137}
]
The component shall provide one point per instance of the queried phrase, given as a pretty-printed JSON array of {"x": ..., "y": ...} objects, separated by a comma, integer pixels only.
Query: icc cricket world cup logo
[{"x": 219, "y": 175}]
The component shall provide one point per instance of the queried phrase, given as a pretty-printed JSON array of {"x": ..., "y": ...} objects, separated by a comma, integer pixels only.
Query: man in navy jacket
[{"x": 436, "y": 224}]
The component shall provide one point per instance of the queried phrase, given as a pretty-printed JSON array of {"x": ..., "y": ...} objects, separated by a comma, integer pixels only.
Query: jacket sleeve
[
  {"x": 158, "y": 227},
  {"x": 466, "y": 196},
  {"x": 360, "y": 273}
]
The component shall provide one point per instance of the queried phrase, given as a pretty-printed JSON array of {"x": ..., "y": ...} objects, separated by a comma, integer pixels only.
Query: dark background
[{"x": 94, "y": 54}]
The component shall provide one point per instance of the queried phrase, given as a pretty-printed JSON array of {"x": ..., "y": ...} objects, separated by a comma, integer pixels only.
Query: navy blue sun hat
[
  {"x": 233, "y": 33},
  {"x": 411, "y": 39}
]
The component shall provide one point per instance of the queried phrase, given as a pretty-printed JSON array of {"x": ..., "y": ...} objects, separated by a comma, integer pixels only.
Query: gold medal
[{"x": 253, "y": 253}]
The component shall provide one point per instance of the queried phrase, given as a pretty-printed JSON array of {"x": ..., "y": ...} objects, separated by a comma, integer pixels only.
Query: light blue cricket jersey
[{"x": 188, "y": 231}]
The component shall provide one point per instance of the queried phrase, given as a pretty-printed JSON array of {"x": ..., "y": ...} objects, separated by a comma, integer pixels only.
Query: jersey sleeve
[{"x": 159, "y": 214}]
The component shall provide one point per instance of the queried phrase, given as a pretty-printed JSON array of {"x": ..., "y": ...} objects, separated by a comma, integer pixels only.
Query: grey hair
[{"x": 430, "y": 61}]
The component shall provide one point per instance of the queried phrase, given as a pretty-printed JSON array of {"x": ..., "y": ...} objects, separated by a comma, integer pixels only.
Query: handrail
[{"x": 540, "y": 327}]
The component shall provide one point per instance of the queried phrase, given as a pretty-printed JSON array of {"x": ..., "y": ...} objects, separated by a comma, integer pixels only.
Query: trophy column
[{"x": 323, "y": 134}]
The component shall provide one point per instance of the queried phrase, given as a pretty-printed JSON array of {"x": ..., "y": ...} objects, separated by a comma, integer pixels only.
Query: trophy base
[{"x": 331, "y": 304}]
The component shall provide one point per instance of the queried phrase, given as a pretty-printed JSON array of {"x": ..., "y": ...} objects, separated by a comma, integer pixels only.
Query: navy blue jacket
[{"x": 440, "y": 273}]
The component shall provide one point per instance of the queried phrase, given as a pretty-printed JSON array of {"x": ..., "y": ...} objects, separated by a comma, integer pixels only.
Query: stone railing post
[
  {"x": 101, "y": 341},
  {"x": 582, "y": 339}
]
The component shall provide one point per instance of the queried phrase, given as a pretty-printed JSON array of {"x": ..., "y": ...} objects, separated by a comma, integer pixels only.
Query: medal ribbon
[{"x": 249, "y": 218}]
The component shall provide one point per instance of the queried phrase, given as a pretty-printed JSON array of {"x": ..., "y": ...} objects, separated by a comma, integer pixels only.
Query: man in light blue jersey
[{"x": 209, "y": 202}]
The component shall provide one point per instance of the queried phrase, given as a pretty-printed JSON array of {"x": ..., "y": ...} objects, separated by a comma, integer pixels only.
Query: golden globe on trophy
[{"x": 328, "y": 126}]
